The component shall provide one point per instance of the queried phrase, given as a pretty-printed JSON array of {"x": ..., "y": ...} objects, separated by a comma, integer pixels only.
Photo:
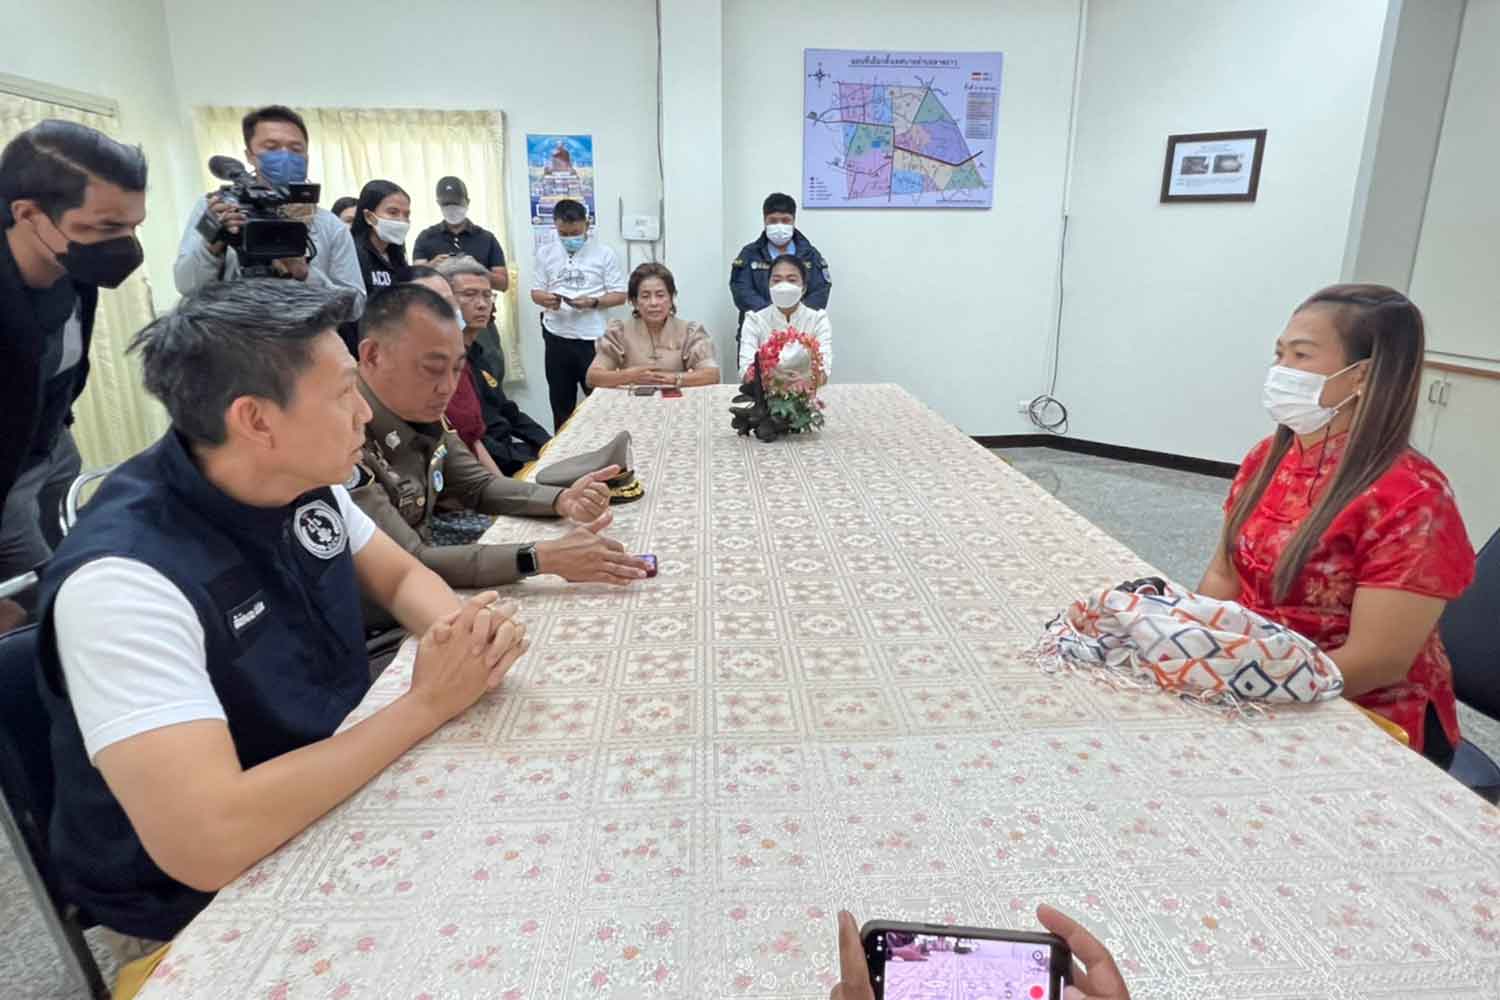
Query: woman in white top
[{"x": 788, "y": 282}]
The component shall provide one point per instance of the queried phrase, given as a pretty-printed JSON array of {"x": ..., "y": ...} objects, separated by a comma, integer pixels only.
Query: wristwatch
[{"x": 526, "y": 561}]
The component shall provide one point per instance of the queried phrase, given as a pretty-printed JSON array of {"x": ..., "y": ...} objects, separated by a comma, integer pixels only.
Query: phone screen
[{"x": 918, "y": 966}]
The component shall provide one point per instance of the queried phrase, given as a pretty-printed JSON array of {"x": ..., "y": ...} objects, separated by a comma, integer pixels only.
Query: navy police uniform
[
  {"x": 750, "y": 276},
  {"x": 275, "y": 591}
]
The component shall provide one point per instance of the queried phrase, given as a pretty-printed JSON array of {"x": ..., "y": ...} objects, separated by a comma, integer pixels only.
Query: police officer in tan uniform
[{"x": 411, "y": 356}]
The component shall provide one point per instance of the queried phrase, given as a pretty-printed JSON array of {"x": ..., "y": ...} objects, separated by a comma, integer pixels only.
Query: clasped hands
[{"x": 649, "y": 376}]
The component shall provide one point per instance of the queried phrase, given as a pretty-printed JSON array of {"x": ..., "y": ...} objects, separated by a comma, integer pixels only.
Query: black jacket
[
  {"x": 378, "y": 277},
  {"x": 510, "y": 436},
  {"x": 22, "y": 344},
  {"x": 750, "y": 276}
]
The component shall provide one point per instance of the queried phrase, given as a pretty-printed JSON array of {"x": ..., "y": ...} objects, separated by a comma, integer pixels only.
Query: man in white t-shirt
[
  {"x": 576, "y": 280},
  {"x": 201, "y": 638}
]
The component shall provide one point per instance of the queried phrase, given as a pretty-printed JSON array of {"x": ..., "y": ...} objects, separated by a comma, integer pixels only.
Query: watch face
[{"x": 526, "y": 560}]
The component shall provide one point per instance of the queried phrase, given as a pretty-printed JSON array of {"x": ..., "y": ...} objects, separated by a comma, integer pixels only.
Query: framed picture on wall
[{"x": 1213, "y": 166}]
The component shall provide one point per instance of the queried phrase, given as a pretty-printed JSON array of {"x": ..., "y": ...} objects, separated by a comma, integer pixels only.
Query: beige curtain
[
  {"x": 115, "y": 417},
  {"x": 413, "y": 148}
]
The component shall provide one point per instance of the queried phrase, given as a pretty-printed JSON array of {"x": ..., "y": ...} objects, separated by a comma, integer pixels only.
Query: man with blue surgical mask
[
  {"x": 276, "y": 149},
  {"x": 577, "y": 278}
]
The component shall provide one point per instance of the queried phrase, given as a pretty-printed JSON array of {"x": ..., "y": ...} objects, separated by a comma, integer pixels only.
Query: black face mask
[{"x": 106, "y": 263}]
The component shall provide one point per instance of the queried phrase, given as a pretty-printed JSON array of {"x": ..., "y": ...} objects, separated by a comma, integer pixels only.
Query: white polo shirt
[
  {"x": 590, "y": 273},
  {"x": 132, "y": 648}
]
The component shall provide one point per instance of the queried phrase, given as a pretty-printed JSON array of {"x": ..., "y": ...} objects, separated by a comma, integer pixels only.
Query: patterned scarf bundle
[{"x": 1150, "y": 632}]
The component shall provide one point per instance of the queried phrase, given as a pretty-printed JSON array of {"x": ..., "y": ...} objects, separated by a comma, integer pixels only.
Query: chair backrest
[
  {"x": 25, "y": 750},
  {"x": 73, "y": 501},
  {"x": 26, "y": 783},
  {"x": 1470, "y": 627}
]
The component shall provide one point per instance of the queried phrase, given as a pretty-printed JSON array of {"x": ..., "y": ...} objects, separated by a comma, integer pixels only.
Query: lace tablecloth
[{"x": 824, "y": 700}]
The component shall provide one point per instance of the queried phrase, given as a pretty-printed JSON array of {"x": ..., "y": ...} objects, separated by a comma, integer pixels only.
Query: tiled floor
[{"x": 1171, "y": 519}]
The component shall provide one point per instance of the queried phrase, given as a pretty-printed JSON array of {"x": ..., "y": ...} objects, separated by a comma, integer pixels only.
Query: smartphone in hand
[
  {"x": 908, "y": 960},
  {"x": 650, "y": 562}
]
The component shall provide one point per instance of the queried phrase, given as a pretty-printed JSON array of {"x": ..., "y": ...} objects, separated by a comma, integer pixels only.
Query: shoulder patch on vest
[
  {"x": 738, "y": 262},
  {"x": 320, "y": 529},
  {"x": 489, "y": 379}
]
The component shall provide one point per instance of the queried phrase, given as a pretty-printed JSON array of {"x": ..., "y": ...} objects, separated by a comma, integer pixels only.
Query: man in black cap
[{"x": 458, "y": 235}]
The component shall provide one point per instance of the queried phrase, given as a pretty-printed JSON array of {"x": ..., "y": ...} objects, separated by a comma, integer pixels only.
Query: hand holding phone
[
  {"x": 913, "y": 957},
  {"x": 650, "y": 562}
]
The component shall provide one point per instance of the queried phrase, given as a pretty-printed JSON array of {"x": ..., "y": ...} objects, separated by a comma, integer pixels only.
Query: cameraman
[{"x": 276, "y": 146}]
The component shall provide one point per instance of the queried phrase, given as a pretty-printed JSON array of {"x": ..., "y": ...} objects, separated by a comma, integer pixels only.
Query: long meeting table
[{"x": 829, "y": 699}]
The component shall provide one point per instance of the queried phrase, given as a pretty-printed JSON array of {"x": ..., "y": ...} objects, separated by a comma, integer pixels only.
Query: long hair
[
  {"x": 370, "y": 197},
  {"x": 1380, "y": 324}
]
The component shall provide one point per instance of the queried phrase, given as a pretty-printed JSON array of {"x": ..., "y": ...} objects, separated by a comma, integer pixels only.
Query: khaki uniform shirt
[{"x": 407, "y": 469}]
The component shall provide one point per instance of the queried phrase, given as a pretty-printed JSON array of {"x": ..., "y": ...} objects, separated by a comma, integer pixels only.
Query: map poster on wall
[
  {"x": 900, "y": 129},
  {"x": 558, "y": 167}
]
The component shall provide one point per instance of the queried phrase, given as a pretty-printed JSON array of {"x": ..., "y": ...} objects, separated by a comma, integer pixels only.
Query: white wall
[
  {"x": 450, "y": 54},
  {"x": 693, "y": 166},
  {"x": 1456, "y": 280},
  {"x": 1171, "y": 310},
  {"x": 115, "y": 51},
  {"x": 1401, "y": 141},
  {"x": 956, "y": 305}
]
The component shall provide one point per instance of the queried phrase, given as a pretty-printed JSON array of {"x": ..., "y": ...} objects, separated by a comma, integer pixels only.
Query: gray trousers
[{"x": 29, "y": 527}]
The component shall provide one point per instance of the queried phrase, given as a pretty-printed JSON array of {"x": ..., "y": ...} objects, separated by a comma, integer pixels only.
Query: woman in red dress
[{"x": 1336, "y": 527}]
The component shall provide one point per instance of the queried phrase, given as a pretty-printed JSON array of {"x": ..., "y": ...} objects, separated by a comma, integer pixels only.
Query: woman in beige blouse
[{"x": 654, "y": 347}]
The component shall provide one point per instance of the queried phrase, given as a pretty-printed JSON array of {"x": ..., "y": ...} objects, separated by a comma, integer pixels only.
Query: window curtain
[
  {"x": 348, "y": 147},
  {"x": 115, "y": 417}
]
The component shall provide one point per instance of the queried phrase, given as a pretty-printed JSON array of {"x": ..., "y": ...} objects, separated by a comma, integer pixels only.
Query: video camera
[{"x": 268, "y": 233}]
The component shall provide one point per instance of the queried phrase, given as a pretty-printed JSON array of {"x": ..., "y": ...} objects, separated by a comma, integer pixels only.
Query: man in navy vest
[
  {"x": 200, "y": 634},
  {"x": 70, "y": 201}
]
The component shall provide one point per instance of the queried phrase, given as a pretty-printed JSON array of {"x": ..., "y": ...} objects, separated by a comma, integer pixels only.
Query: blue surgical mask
[
  {"x": 572, "y": 244},
  {"x": 282, "y": 166}
]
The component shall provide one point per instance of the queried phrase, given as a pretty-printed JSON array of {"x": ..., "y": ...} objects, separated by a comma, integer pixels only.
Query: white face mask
[
  {"x": 1294, "y": 398},
  {"x": 779, "y": 233},
  {"x": 785, "y": 294},
  {"x": 392, "y": 230},
  {"x": 455, "y": 214}
]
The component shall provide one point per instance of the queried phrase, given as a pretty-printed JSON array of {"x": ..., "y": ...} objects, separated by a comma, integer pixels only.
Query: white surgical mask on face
[
  {"x": 392, "y": 230},
  {"x": 1294, "y": 398},
  {"x": 785, "y": 294},
  {"x": 455, "y": 214},
  {"x": 779, "y": 233}
]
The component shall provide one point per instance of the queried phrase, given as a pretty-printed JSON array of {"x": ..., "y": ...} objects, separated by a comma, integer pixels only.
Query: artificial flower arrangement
[{"x": 781, "y": 387}]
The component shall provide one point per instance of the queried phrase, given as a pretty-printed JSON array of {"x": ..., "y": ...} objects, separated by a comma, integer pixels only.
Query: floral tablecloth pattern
[{"x": 825, "y": 700}]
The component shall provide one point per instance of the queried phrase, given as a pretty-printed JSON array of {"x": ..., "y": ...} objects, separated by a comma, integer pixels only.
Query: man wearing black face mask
[{"x": 70, "y": 201}]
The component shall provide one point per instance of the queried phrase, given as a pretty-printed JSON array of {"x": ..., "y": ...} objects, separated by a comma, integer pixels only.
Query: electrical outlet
[{"x": 641, "y": 228}]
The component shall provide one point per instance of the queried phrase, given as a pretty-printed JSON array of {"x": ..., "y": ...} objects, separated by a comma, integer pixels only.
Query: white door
[
  {"x": 1429, "y": 408},
  {"x": 1466, "y": 448}
]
